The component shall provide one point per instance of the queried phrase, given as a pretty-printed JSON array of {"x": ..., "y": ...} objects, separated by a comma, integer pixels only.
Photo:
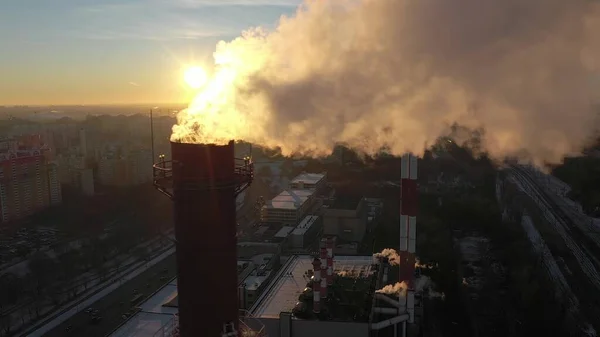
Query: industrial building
[
  {"x": 316, "y": 181},
  {"x": 288, "y": 207},
  {"x": 306, "y": 232},
  {"x": 311, "y": 295},
  {"x": 346, "y": 219}
]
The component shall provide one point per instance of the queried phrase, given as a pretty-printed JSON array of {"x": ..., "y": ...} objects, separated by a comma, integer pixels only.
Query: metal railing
[{"x": 163, "y": 177}]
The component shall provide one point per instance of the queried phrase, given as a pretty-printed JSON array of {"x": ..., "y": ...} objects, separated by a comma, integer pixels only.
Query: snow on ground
[{"x": 560, "y": 227}]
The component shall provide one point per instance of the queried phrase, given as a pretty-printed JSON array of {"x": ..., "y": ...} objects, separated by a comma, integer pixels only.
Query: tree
[
  {"x": 42, "y": 270},
  {"x": 10, "y": 289}
]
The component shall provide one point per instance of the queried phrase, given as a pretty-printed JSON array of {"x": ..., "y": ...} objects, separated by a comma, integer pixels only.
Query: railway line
[{"x": 581, "y": 255}]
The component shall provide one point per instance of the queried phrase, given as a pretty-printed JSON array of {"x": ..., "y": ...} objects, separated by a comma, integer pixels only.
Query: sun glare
[{"x": 195, "y": 77}]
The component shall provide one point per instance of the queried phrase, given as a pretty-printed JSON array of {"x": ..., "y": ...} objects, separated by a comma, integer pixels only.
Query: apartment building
[{"x": 28, "y": 183}]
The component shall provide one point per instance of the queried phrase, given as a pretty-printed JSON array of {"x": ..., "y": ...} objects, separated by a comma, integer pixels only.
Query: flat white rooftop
[
  {"x": 283, "y": 291},
  {"x": 305, "y": 224},
  {"x": 290, "y": 199},
  {"x": 152, "y": 316},
  {"x": 308, "y": 178}
]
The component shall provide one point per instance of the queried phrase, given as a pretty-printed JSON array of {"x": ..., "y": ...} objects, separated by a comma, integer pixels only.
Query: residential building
[{"x": 28, "y": 183}]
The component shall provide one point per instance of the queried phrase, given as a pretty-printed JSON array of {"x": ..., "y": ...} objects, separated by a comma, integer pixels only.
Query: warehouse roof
[
  {"x": 305, "y": 224},
  {"x": 284, "y": 232},
  {"x": 289, "y": 199},
  {"x": 282, "y": 293},
  {"x": 308, "y": 178}
]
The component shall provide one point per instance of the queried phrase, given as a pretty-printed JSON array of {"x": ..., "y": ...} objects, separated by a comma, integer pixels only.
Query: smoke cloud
[
  {"x": 394, "y": 289},
  {"x": 395, "y": 74},
  {"x": 392, "y": 255}
]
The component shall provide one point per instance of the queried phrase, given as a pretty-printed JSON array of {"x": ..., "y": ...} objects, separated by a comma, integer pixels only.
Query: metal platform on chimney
[{"x": 163, "y": 177}]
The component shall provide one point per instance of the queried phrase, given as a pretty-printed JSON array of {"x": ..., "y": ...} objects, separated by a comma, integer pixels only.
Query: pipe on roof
[
  {"x": 388, "y": 300},
  {"x": 388, "y": 322},
  {"x": 387, "y": 311}
]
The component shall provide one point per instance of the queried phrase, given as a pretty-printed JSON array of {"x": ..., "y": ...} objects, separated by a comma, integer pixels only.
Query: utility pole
[{"x": 152, "y": 134}]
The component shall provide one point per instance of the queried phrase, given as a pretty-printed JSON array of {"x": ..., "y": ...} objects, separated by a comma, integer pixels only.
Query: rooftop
[
  {"x": 350, "y": 203},
  {"x": 289, "y": 199},
  {"x": 308, "y": 178},
  {"x": 153, "y": 314},
  {"x": 284, "y": 232},
  {"x": 305, "y": 224},
  {"x": 281, "y": 295}
]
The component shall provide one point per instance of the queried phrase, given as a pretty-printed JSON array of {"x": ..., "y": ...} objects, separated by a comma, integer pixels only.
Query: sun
[{"x": 195, "y": 77}]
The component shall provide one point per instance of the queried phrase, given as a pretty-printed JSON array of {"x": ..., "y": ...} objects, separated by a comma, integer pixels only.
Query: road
[
  {"x": 115, "y": 284},
  {"x": 578, "y": 251}
]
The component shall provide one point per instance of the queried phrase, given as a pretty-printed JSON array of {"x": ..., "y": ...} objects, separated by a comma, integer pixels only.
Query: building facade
[
  {"x": 347, "y": 220},
  {"x": 289, "y": 207},
  {"x": 28, "y": 183}
]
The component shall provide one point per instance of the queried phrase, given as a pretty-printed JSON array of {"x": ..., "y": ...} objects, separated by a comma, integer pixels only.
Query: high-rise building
[{"x": 28, "y": 183}]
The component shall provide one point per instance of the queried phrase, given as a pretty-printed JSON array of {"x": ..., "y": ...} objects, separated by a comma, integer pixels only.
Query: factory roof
[
  {"x": 289, "y": 199},
  {"x": 305, "y": 224},
  {"x": 282, "y": 293},
  {"x": 308, "y": 178},
  {"x": 284, "y": 232},
  {"x": 254, "y": 280},
  {"x": 349, "y": 203},
  {"x": 153, "y": 314}
]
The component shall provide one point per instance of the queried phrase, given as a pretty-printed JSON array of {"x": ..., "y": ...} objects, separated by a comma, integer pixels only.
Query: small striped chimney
[
  {"x": 323, "y": 272},
  {"x": 329, "y": 246},
  {"x": 316, "y": 285}
]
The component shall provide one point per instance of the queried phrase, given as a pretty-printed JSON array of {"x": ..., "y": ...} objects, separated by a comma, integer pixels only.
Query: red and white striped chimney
[
  {"x": 408, "y": 228},
  {"x": 316, "y": 285},
  {"x": 329, "y": 246},
  {"x": 323, "y": 272}
]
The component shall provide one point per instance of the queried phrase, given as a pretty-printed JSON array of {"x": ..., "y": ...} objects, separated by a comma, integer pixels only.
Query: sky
[{"x": 116, "y": 51}]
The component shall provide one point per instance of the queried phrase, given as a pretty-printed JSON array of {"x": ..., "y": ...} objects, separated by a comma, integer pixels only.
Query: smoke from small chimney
[{"x": 390, "y": 254}]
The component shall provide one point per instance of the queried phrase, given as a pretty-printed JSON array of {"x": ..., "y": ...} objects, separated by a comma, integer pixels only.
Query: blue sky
[{"x": 109, "y": 51}]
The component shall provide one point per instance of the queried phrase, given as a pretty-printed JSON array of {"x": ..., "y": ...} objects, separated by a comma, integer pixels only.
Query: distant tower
[{"x": 408, "y": 228}]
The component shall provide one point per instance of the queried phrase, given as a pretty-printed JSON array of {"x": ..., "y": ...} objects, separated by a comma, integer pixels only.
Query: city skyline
[{"x": 72, "y": 52}]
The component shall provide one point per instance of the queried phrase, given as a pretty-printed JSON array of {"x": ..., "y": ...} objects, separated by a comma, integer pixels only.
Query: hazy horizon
[{"x": 73, "y": 52}]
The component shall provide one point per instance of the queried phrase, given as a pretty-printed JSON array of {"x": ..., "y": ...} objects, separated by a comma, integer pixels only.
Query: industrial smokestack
[
  {"x": 329, "y": 246},
  {"x": 316, "y": 285},
  {"x": 204, "y": 182},
  {"x": 408, "y": 228},
  {"x": 323, "y": 272}
]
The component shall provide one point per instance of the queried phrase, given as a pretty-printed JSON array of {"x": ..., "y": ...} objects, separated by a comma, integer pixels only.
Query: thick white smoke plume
[
  {"x": 392, "y": 255},
  {"x": 394, "y": 289},
  {"x": 396, "y": 73}
]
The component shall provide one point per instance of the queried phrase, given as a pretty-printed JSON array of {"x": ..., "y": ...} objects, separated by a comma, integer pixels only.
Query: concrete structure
[
  {"x": 305, "y": 233},
  {"x": 289, "y": 207},
  {"x": 200, "y": 208},
  {"x": 28, "y": 183},
  {"x": 347, "y": 219},
  {"x": 305, "y": 180},
  {"x": 274, "y": 307}
]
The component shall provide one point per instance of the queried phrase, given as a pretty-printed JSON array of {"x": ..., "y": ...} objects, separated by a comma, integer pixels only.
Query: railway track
[{"x": 581, "y": 255}]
